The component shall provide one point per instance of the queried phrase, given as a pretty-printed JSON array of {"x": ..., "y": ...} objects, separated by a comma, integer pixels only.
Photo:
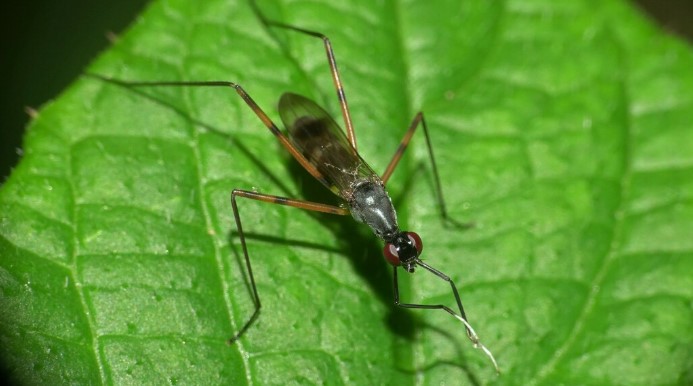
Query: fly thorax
[{"x": 371, "y": 205}]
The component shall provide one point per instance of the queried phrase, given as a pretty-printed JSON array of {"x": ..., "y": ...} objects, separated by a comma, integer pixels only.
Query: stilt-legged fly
[{"x": 316, "y": 141}]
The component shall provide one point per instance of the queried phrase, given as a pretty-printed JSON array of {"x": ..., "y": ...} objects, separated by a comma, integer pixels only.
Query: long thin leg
[
  {"x": 314, "y": 206},
  {"x": 351, "y": 136},
  {"x": 308, "y": 205},
  {"x": 462, "y": 317},
  {"x": 415, "y": 123},
  {"x": 246, "y": 98}
]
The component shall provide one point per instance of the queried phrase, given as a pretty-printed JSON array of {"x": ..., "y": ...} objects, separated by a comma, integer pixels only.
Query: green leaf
[{"x": 562, "y": 131}]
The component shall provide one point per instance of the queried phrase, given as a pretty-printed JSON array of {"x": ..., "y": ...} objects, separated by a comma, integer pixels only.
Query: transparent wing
[{"x": 318, "y": 137}]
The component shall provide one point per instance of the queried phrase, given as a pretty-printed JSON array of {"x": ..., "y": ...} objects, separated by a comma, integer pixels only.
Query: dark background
[{"x": 45, "y": 44}]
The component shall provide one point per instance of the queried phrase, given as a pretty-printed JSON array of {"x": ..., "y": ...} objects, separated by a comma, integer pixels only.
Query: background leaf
[{"x": 562, "y": 132}]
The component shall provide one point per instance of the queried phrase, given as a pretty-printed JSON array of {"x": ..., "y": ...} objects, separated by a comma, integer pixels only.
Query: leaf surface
[{"x": 563, "y": 134}]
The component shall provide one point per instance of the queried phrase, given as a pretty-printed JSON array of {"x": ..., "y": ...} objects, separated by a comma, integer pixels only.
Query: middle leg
[
  {"x": 415, "y": 123},
  {"x": 301, "y": 204}
]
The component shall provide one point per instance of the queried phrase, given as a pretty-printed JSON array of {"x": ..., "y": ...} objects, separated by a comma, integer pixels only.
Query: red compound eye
[
  {"x": 416, "y": 240},
  {"x": 391, "y": 255}
]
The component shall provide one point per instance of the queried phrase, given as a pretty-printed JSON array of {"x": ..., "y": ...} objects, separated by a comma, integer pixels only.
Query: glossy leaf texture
[{"x": 563, "y": 135}]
